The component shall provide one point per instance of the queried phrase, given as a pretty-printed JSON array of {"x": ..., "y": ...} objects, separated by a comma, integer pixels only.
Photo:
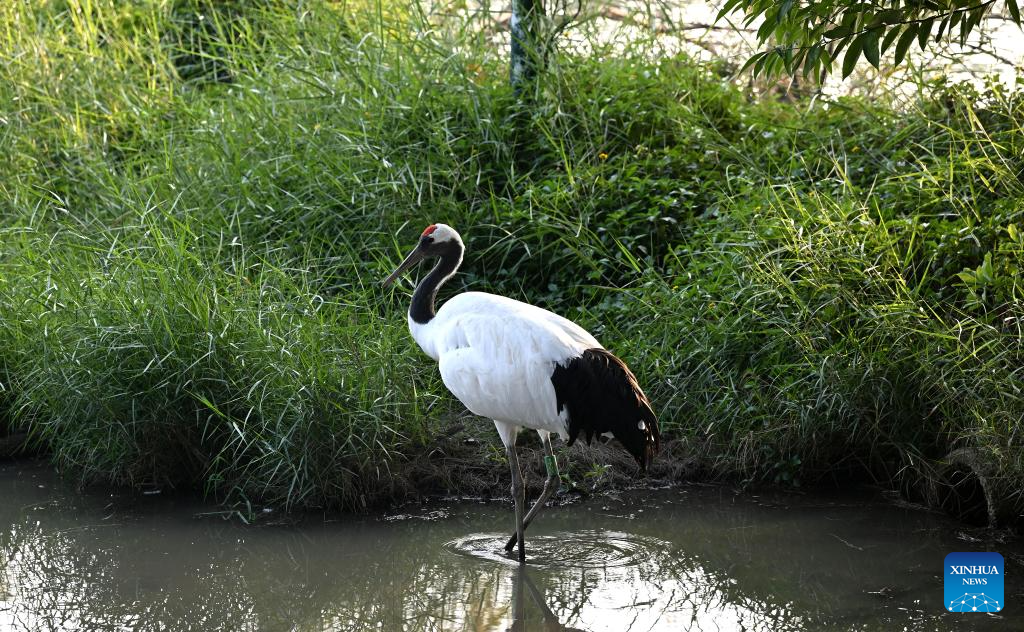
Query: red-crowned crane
[{"x": 524, "y": 367}]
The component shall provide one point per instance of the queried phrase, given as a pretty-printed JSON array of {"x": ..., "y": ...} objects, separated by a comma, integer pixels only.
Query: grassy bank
[{"x": 197, "y": 204}]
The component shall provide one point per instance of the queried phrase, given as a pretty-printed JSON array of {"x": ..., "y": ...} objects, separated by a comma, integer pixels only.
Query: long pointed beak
[{"x": 413, "y": 258}]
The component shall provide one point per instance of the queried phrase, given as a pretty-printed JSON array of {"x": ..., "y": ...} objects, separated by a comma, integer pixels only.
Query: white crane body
[
  {"x": 497, "y": 355},
  {"x": 524, "y": 367}
]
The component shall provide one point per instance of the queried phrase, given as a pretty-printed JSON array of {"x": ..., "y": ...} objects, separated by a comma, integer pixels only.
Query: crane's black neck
[{"x": 449, "y": 255}]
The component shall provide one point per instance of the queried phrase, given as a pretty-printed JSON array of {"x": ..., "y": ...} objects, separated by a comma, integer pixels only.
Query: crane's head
[{"x": 436, "y": 240}]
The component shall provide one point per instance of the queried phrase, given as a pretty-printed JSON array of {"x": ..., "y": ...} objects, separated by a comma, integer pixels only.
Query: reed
[{"x": 198, "y": 199}]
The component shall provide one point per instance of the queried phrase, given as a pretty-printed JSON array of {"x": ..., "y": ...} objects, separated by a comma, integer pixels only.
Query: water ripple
[{"x": 565, "y": 549}]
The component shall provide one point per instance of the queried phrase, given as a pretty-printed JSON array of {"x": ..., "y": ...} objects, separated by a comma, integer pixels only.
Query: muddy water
[{"x": 690, "y": 558}]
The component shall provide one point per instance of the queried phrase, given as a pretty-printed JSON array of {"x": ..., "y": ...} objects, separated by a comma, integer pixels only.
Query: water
[{"x": 694, "y": 558}]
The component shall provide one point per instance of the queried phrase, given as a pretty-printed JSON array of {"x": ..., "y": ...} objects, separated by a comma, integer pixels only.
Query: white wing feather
[{"x": 497, "y": 354}]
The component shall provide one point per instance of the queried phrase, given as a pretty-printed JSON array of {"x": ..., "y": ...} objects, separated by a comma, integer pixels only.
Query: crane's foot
[
  {"x": 511, "y": 544},
  {"x": 514, "y": 554}
]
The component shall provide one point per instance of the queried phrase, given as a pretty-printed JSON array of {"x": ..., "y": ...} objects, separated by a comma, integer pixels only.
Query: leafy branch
[{"x": 811, "y": 36}]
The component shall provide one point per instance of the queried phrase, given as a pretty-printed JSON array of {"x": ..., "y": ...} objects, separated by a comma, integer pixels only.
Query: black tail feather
[{"x": 602, "y": 395}]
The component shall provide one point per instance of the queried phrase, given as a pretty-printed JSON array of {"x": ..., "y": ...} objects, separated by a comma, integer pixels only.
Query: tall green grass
[
  {"x": 198, "y": 199},
  {"x": 152, "y": 360}
]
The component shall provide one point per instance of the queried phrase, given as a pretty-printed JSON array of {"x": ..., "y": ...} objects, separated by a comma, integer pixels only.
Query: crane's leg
[
  {"x": 519, "y": 497},
  {"x": 550, "y": 485}
]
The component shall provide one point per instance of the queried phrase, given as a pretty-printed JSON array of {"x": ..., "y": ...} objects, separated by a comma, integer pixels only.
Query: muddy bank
[{"x": 464, "y": 461}]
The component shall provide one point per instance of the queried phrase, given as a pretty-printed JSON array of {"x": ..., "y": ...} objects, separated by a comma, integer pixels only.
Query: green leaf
[
  {"x": 839, "y": 32},
  {"x": 852, "y": 54},
  {"x": 925, "y": 29},
  {"x": 759, "y": 66},
  {"x": 975, "y": 19},
  {"x": 967, "y": 276},
  {"x": 755, "y": 60},
  {"x": 813, "y": 53},
  {"x": 766, "y": 29},
  {"x": 870, "y": 46},
  {"x": 906, "y": 40},
  {"x": 890, "y": 16},
  {"x": 799, "y": 59},
  {"x": 825, "y": 61},
  {"x": 820, "y": 9},
  {"x": 840, "y": 46},
  {"x": 1014, "y": 9},
  {"x": 787, "y": 58},
  {"x": 726, "y": 9},
  {"x": 890, "y": 37},
  {"x": 970, "y": 21}
]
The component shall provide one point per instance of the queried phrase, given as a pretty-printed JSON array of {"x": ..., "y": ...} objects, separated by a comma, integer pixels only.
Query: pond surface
[{"x": 687, "y": 558}]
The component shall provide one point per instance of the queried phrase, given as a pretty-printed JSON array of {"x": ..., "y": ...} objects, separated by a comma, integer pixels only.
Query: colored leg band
[{"x": 551, "y": 465}]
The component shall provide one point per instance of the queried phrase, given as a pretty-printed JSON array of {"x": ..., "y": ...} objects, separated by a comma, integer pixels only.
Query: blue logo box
[{"x": 974, "y": 582}]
